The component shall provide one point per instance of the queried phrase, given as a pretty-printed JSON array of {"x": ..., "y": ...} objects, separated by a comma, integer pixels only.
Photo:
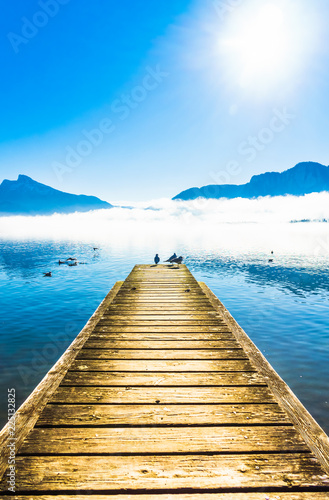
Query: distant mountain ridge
[
  {"x": 304, "y": 178},
  {"x": 28, "y": 197}
]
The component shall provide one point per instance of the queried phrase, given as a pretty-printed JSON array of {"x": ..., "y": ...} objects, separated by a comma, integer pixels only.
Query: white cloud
[{"x": 237, "y": 225}]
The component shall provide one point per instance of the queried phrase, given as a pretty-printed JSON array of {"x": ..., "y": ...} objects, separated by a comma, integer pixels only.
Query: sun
[{"x": 258, "y": 45}]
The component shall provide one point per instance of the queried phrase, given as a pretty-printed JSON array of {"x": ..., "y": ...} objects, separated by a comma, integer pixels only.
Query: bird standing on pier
[
  {"x": 179, "y": 260},
  {"x": 156, "y": 259},
  {"x": 174, "y": 256}
]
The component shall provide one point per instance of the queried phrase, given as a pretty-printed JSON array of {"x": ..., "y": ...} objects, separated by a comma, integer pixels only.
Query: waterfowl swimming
[
  {"x": 156, "y": 259},
  {"x": 61, "y": 262},
  {"x": 48, "y": 274},
  {"x": 71, "y": 259}
]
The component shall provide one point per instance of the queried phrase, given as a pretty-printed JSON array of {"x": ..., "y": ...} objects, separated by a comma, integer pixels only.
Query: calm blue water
[{"x": 282, "y": 306}]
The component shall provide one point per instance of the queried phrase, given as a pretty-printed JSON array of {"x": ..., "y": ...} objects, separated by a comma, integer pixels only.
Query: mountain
[
  {"x": 304, "y": 178},
  {"x": 28, "y": 197}
]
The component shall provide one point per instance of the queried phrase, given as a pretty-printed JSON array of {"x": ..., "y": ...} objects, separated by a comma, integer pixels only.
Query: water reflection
[{"x": 300, "y": 280}]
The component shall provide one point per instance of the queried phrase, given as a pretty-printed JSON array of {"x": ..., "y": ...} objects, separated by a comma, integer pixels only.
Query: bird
[
  {"x": 179, "y": 260},
  {"x": 95, "y": 248},
  {"x": 174, "y": 256},
  {"x": 61, "y": 262},
  {"x": 156, "y": 259},
  {"x": 71, "y": 258},
  {"x": 270, "y": 260},
  {"x": 48, "y": 274}
]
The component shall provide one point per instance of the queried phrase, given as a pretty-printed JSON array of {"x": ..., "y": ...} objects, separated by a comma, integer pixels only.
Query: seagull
[
  {"x": 178, "y": 260},
  {"x": 156, "y": 259},
  {"x": 48, "y": 274},
  {"x": 174, "y": 256}
]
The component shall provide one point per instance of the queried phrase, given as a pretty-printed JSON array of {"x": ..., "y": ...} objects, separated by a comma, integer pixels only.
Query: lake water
[{"x": 283, "y": 306}]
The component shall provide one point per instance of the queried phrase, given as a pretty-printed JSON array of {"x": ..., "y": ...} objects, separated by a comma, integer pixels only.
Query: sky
[{"x": 137, "y": 100}]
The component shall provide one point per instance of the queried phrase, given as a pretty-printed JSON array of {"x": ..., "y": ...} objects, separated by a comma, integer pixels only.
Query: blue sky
[{"x": 136, "y": 100}]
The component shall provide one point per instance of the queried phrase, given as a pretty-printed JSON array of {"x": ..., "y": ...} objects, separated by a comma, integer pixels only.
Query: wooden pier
[{"x": 163, "y": 396}]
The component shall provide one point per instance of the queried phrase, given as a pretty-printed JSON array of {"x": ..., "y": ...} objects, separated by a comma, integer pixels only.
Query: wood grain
[
  {"x": 137, "y": 365},
  {"x": 160, "y": 344},
  {"x": 99, "y": 440},
  {"x": 313, "y": 495},
  {"x": 161, "y": 354},
  {"x": 162, "y": 395},
  {"x": 188, "y": 379},
  {"x": 198, "y": 472},
  {"x": 135, "y": 415}
]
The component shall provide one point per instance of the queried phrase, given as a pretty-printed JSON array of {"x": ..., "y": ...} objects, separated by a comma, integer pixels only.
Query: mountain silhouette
[
  {"x": 28, "y": 197},
  {"x": 304, "y": 178}
]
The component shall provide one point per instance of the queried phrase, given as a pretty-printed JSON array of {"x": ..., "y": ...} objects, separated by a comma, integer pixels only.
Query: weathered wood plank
[
  {"x": 163, "y": 323},
  {"x": 160, "y": 344},
  {"x": 167, "y": 472},
  {"x": 100, "y": 335},
  {"x": 161, "y": 379},
  {"x": 162, "y": 366},
  {"x": 98, "y": 440},
  {"x": 162, "y": 395},
  {"x": 209, "y": 316},
  {"x": 145, "y": 308},
  {"x": 161, "y": 354},
  {"x": 28, "y": 413},
  {"x": 209, "y": 329},
  {"x": 103, "y": 415},
  {"x": 312, "y": 495},
  {"x": 153, "y": 300}
]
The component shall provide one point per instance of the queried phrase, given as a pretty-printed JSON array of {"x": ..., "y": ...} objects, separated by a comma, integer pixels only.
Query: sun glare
[{"x": 260, "y": 45}]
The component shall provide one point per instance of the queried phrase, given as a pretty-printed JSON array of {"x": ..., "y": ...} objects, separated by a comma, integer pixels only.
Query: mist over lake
[{"x": 282, "y": 305}]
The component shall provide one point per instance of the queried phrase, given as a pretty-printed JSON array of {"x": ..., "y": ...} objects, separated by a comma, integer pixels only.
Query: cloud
[{"x": 253, "y": 225}]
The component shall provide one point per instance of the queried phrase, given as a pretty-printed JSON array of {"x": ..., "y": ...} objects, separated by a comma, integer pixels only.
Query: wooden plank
[
  {"x": 163, "y": 323},
  {"x": 28, "y": 413},
  {"x": 218, "y": 414},
  {"x": 312, "y": 495},
  {"x": 95, "y": 343},
  {"x": 158, "y": 285},
  {"x": 163, "y": 295},
  {"x": 98, "y": 440},
  {"x": 316, "y": 438},
  {"x": 162, "y": 366},
  {"x": 161, "y": 379},
  {"x": 162, "y": 395},
  {"x": 161, "y": 354},
  {"x": 198, "y": 472},
  {"x": 108, "y": 327},
  {"x": 145, "y": 308},
  {"x": 211, "y": 316},
  {"x": 101, "y": 334}
]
